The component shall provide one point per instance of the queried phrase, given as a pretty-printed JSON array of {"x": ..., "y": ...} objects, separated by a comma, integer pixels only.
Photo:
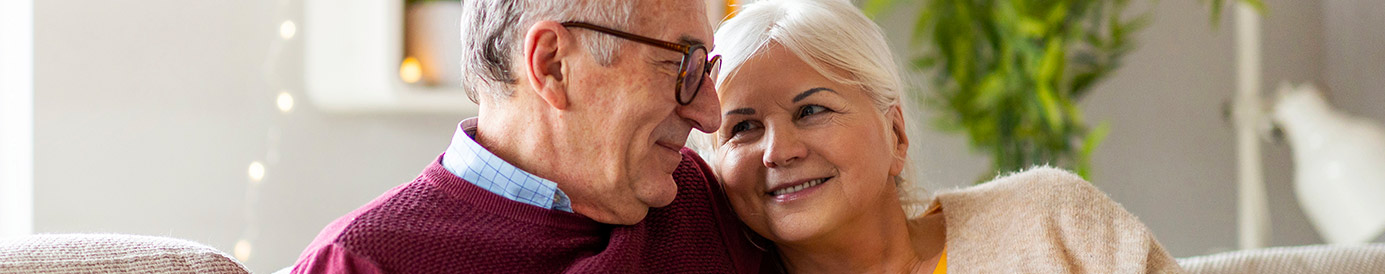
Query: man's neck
[
  {"x": 875, "y": 243},
  {"x": 514, "y": 139}
]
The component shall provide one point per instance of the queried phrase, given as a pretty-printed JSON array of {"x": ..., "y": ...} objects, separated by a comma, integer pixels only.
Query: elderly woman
[{"x": 812, "y": 151}]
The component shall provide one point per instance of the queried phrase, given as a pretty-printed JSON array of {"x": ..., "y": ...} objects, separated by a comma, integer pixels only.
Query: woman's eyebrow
[
  {"x": 742, "y": 111},
  {"x": 805, "y": 94}
]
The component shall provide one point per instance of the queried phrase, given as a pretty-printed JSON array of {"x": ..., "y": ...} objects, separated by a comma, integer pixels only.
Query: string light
[
  {"x": 242, "y": 250},
  {"x": 285, "y": 102},
  {"x": 287, "y": 29},
  {"x": 256, "y": 171},
  {"x": 410, "y": 70}
]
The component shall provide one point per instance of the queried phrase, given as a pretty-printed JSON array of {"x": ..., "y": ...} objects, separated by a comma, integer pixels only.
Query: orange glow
[
  {"x": 730, "y": 10},
  {"x": 410, "y": 70}
]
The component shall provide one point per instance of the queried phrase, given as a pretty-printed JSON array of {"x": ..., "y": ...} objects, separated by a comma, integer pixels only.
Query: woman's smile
[{"x": 788, "y": 192}]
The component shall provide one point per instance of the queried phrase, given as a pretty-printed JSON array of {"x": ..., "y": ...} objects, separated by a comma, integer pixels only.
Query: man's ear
[
  {"x": 546, "y": 44},
  {"x": 895, "y": 117}
]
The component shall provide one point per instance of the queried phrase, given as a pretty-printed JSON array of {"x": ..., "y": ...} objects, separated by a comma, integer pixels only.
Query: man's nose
[{"x": 704, "y": 112}]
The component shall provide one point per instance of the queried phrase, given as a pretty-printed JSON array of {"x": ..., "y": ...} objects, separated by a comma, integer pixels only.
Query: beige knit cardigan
[{"x": 1045, "y": 220}]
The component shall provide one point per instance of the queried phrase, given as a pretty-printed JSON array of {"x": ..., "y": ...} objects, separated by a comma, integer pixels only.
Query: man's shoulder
[
  {"x": 693, "y": 170},
  {"x": 419, "y": 225},
  {"x": 697, "y": 185},
  {"x": 700, "y": 222},
  {"x": 411, "y": 205}
]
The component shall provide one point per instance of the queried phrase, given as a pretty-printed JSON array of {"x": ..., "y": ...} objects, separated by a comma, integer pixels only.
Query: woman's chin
[
  {"x": 804, "y": 217},
  {"x": 797, "y": 228}
]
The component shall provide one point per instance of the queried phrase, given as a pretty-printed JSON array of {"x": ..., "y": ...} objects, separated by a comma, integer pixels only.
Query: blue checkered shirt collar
[{"x": 467, "y": 159}]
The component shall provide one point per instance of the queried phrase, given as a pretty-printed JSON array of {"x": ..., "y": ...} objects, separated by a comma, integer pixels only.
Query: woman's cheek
[{"x": 740, "y": 178}]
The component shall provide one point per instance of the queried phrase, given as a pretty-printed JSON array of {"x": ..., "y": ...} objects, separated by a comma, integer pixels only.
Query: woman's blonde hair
[{"x": 836, "y": 40}]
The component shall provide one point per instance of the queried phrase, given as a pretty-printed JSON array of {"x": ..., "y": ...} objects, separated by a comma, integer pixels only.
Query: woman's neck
[{"x": 873, "y": 243}]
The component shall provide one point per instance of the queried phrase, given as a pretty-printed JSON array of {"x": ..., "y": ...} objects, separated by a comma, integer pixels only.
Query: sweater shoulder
[
  {"x": 1050, "y": 219},
  {"x": 418, "y": 227},
  {"x": 1040, "y": 188},
  {"x": 693, "y": 171}
]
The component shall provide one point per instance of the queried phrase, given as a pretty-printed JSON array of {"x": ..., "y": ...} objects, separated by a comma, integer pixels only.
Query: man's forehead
[{"x": 676, "y": 20}]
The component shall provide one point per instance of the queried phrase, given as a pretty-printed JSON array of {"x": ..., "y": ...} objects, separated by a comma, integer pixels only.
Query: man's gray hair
[{"x": 492, "y": 31}]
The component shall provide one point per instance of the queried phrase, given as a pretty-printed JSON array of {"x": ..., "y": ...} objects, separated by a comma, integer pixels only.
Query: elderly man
[{"x": 575, "y": 162}]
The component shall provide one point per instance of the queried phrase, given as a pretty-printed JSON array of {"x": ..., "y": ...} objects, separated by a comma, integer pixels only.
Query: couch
[{"x": 115, "y": 253}]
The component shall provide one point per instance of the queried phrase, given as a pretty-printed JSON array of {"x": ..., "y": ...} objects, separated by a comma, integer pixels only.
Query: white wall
[
  {"x": 16, "y": 118},
  {"x": 1355, "y": 61},
  {"x": 149, "y": 112}
]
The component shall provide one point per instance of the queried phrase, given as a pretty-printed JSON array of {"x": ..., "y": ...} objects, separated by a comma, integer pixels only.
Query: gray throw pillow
[{"x": 111, "y": 253}]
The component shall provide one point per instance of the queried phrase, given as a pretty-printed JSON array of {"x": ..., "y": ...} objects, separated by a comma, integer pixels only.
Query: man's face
[{"x": 627, "y": 115}]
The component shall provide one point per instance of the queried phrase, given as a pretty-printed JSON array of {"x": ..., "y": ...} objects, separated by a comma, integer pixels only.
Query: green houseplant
[{"x": 1009, "y": 73}]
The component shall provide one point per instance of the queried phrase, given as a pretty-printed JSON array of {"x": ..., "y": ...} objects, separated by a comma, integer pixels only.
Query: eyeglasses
[{"x": 691, "y": 70}]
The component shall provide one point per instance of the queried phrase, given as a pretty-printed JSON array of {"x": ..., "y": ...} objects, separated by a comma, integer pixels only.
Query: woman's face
[{"x": 803, "y": 156}]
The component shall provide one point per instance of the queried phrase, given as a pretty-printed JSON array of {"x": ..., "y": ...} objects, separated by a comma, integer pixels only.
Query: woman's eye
[
  {"x": 742, "y": 129},
  {"x": 809, "y": 110},
  {"x": 739, "y": 127}
]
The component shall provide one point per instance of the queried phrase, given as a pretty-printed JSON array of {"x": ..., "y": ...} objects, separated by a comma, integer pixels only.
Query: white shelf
[{"x": 352, "y": 50}]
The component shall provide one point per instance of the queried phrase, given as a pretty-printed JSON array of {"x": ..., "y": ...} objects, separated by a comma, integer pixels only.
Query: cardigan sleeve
[
  {"x": 1047, "y": 220},
  {"x": 1099, "y": 233}
]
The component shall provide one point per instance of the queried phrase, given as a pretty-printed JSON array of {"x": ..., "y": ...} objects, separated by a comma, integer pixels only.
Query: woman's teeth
[{"x": 799, "y": 187}]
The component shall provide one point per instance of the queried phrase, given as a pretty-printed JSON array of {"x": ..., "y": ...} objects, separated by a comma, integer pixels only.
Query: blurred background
[{"x": 216, "y": 121}]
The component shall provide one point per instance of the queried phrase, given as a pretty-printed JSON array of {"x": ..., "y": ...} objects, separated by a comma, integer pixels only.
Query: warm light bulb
[
  {"x": 256, "y": 171},
  {"x": 287, "y": 29},
  {"x": 285, "y": 102},
  {"x": 410, "y": 70},
  {"x": 242, "y": 250}
]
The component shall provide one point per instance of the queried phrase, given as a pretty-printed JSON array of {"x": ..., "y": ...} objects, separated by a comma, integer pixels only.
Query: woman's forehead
[{"x": 775, "y": 74}]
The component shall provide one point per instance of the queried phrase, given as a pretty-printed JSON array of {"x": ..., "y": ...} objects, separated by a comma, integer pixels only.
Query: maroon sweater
[{"x": 440, "y": 223}]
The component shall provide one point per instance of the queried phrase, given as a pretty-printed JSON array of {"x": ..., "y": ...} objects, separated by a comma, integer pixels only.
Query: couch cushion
[
  {"x": 1297, "y": 259},
  {"x": 111, "y": 253}
]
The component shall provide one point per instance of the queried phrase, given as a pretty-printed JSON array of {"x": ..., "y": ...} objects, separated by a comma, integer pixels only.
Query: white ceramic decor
[{"x": 1339, "y": 165}]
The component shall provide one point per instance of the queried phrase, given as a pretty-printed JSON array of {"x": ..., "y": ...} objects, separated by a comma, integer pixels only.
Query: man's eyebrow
[
  {"x": 742, "y": 111},
  {"x": 689, "y": 40},
  {"x": 805, "y": 94}
]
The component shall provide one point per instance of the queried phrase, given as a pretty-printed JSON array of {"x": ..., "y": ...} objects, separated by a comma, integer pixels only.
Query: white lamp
[{"x": 1339, "y": 165}]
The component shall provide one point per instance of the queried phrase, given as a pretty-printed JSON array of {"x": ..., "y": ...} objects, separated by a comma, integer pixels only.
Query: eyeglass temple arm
[{"x": 631, "y": 36}]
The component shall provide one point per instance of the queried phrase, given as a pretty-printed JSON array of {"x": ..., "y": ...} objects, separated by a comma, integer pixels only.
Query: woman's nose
[{"x": 783, "y": 148}]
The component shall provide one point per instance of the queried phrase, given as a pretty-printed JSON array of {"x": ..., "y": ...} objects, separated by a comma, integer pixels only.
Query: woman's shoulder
[
  {"x": 1045, "y": 213},
  {"x": 1042, "y": 198},
  {"x": 1036, "y": 188}
]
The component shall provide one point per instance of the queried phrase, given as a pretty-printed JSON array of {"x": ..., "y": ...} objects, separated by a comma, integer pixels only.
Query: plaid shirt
[{"x": 467, "y": 159}]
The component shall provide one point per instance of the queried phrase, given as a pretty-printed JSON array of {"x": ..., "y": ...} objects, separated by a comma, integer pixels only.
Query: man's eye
[
  {"x": 670, "y": 66},
  {"x": 808, "y": 110}
]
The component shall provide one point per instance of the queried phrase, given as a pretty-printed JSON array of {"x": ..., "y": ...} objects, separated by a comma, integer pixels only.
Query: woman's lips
[{"x": 789, "y": 192}]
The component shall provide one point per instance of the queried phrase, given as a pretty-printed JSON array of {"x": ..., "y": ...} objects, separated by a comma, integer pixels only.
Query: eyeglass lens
[{"x": 694, "y": 68}]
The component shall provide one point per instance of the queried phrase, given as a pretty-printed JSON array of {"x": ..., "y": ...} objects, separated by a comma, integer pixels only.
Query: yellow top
[{"x": 942, "y": 263}]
